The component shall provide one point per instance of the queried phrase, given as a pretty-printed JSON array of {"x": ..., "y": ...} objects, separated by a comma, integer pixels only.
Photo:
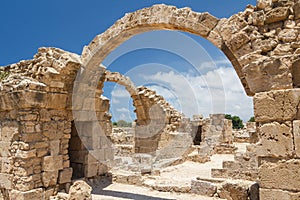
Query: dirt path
[{"x": 117, "y": 191}]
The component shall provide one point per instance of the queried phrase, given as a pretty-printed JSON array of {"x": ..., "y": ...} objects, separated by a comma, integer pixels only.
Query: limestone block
[
  {"x": 231, "y": 26},
  {"x": 258, "y": 18},
  {"x": 203, "y": 188},
  {"x": 282, "y": 50},
  {"x": 262, "y": 4},
  {"x": 91, "y": 169},
  {"x": 296, "y": 132},
  {"x": 52, "y": 134},
  {"x": 276, "y": 194},
  {"x": 80, "y": 190},
  {"x": 56, "y": 101},
  {"x": 238, "y": 40},
  {"x": 275, "y": 140},
  {"x": 49, "y": 178},
  {"x": 280, "y": 175},
  {"x": 8, "y": 130},
  {"x": 60, "y": 196},
  {"x": 26, "y": 154},
  {"x": 54, "y": 147},
  {"x": 52, "y": 163},
  {"x": 296, "y": 9},
  {"x": 238, "y": 189},
  {"x": 215, "y": 38},
  {"x": 48, "y": 193},
  {"x": 65, "y": 175},
  {"x": 267, "y": 74},
  {"x": 288, "y": 35},
  {"x": 277, "y": 14},
  {"x": 6, "y": 164},
  {"x": 4, "y": 149},
  {"x": 6, "y": 180},
  {"x": 264, "y": 45},
  {"x": 279, "y": 105},
  {"x": 30, "y": 99},
  {"x": 31, "y": 137},
  {"x": 6, "y": 102},
  {"x": 31, "y": 194}
]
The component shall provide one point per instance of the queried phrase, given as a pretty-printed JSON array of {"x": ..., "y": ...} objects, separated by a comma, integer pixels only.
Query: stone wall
[
  {"x": 278, "y": 148},
  {"x": 161, "y": 119},
  {"x": 36, "y": 125},
  {"x": 156, "y": 118},
  {"x": 261, "y": 42}
]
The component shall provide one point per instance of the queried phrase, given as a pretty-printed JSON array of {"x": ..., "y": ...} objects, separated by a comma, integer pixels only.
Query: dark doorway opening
[
  {"x": 196, "y": 134},
  {"x": 76, "y": 153}
]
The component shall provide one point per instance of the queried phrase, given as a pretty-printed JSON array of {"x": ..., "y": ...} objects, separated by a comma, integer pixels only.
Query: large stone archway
[{"x": 262, "y": 43}]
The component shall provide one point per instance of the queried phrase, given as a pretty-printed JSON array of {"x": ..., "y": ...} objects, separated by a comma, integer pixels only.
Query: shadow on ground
[{"x": 99, "y": 189}]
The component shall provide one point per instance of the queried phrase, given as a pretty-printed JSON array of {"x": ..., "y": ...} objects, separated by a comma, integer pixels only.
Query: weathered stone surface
[
  {"x": 6, "y": 180},
  {"x": 60, "y": 196},
  {"x": 80, "y": 190},
  {"x": 279, "y": 105},
  {"x": 273, "y": 175},
  {"x": 261, "y": 43},
  {"x": 296, "y": 132},
  {"x": 276, "y": 194},
  {"x": 203, "y": 188},
  {"x": 277, "y": 14},
  {"x": 296, "y": 9},
  {"x": 49, "y": 178},
  {"x": 276, "y": 140},
  {"x": 65, "y": 175},
  {"x": 262, "y": 4},
  {"x": 288, "y": 35},
  {"x": 31, "y": 194},
  {"x": 238, "y": 189},
  {"x": 52, "y": 163}
]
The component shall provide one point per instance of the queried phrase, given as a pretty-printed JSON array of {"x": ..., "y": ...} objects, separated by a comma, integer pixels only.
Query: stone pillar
[{"x": 277, "y": 114}]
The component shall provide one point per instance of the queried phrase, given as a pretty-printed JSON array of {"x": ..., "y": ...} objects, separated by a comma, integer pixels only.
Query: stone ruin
[{"x": 55, "y": 123}]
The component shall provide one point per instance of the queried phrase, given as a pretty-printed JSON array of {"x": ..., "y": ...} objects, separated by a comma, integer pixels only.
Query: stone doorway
[{"x": 76, "y": 148}]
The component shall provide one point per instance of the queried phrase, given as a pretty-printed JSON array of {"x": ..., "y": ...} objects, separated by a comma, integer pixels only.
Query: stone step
[
  {"x": 225, "y": 188},
  {"x": 167, "y": 185},
  {"x": 219, "y": 173}
]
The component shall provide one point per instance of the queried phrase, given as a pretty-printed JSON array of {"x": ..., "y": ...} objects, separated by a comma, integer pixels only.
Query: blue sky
[{"x": 28, "y": 25}]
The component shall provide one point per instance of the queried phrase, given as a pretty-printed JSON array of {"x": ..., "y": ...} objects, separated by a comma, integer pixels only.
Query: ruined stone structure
[
  {"x": 155, "y": 116},
  {"x": 41, "y": 98}
]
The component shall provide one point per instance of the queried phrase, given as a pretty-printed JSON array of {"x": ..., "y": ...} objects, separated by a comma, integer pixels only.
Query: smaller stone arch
[{"x": 155, "y": 116}]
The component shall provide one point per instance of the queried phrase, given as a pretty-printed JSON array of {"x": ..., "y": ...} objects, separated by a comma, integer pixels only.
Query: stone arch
[
  {"x": 160, "y": 17},
  {"x": 153, "y": 113},
  {"x": 262, "y": 43}
]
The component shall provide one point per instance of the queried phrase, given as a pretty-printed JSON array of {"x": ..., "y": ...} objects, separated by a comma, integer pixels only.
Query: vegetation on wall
[{"x": 3, "y": 74}]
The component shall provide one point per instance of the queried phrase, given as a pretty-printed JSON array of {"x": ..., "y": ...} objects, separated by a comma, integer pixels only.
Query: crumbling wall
[
  {"x": 262, "y": 43},
  {"x": 36, "y": 124},
  {"x": 156, "y": 118},
  {"x": 161, "y": 119}
]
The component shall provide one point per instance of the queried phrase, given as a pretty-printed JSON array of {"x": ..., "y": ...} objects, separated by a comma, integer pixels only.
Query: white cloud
[
  {"x": 122, "y": 109},
  {"x": 218, "y": 91},
  {"x": 120, "y": 93}
]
